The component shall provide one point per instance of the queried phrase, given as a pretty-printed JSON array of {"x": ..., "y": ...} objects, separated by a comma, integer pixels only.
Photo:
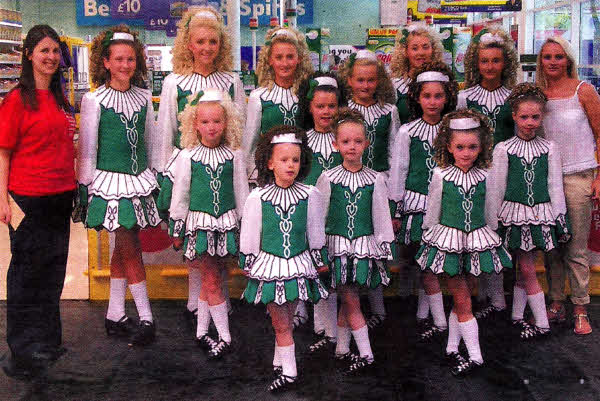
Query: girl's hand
[
  {"x": 323, "y": 269},
  {"x": 596, "y": 188},
  {"x": 396, "y": 224},
  {"x": 177, "y": 243},
  {"x": 5, "y": 213}
]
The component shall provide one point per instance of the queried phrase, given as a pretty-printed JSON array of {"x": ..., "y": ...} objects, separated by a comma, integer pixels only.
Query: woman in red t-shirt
[{"x": 37, "y": 171}]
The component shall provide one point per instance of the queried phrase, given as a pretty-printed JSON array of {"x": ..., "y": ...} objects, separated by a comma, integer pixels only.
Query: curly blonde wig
[
  {"x": 232, "y": 137},
  {"x": 511, "y": 59},
  {"x": 183, "y": 59},
  {"x": 400, "y": 64},
  {"x": 346, "y": 115},
  {"x": 526, "y": 92},
  {"x": 444, "y": 158},
  {"x": 264, "y": 151},
  {"x": 384, "y": 93},
  {"x": 540, "y": 78},
  {"x": 265, "y": 73},
  {"x": 99, "y": 75},
  {"x": 414, "y": 90}
]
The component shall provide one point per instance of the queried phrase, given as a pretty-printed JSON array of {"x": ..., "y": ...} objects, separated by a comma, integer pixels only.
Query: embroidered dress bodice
[
  {"x": 420, "y": 169},
  {"x": 401, "y": 85},
  {"x": 492, "y": 104},
  {"x": 325, "y": 156},
  {"x": 528, "y": 169},
  {"x": 463, "y": 196}
]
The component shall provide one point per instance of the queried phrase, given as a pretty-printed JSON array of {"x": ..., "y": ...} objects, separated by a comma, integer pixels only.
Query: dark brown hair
[
  {"x": 414, "y": 89},
  {"x": 305, "y": 117},
  {"x": 347, "y": 115},
  {"x": 526, "y": 92}
]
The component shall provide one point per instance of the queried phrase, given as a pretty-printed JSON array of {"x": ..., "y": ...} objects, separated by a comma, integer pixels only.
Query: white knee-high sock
[
  {"x": 453, "y": 334},
  {"x": 276, "y": 357},
  {"x": 194, "y": 286},
  {"x": 422, "y": 305},
  {"x": 538, "y": 307},
  {"x": 376, "y": 301},
  {"x": 343, "y": 340},
  {"x": 330, "y": 322},
  {"x": 469, "y": 331},
  {"x": 203, "y": 318},
  {"x": 116, "y": 301},
  {"x": 142, "y": 303},
  {"x": 519, "y": 302},
  {"x": 288, "y": 360},
  {"x": 361, "y": 336},
  {"x": 221, "y": 318},
  {"x": 436, "y": 303},
  {"x": 320, "y": 315},
  {"x": 496, "y": 290}
]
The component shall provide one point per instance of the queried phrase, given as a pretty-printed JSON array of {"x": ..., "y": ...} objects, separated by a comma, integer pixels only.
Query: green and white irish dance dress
[
  {"x": 173, "y": 99},
  {"x": 117, "y": 152},
  {"x": 530, "y": 187},
  {"x": 401, "y": 85},
  {"x": 267, "y": 108},
  {"x": 282, "y": 243},
  {"x": 209, "y": 192},
  {"x": 410, "y": 175},
  {"x": 492, "y": 104},
  {"x": 324, "y": 156},
  {"x": 459, "y": 237},
  {"x": 358, "y": 226}
]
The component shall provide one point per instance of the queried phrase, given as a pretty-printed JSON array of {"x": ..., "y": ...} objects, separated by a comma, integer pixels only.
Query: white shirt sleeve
[
  {"x": 496, "y": 183},
  {"x": 239, "y": 96},
  {"x": 152, "y": 138},
  {"x": 167, "y": 120},
  {"x": 394, "y": 131},
  {"x": 180, "y": 200},
  {"x": 461, "y": 102},
  {"x": 324, "y": 186},
  {"x": 87, "y": 150},
  {"x": 380, "y": 212},
  {"x": 399, "y": 165},
  {"x": 315, "y": 224},
  {"x": 240, "y": 182},
  {"x": 252, "y": 129},
  {"x": 492, "y": 203},
  {"x": 434, "y": 200},
  {"x": 555, "y": 181},
  {"x": 251, "y": 230}
]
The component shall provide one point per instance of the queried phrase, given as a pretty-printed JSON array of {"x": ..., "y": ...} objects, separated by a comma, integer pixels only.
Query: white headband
[
  {"x": 416, "y": 26},
  {"x": 464, "y": 123},
  {"x": 284, "y": 32},
  {"x": 206, "y": 14},
  {"x": 122, "y": 36},
  {"x": 286, "y": 138},
  {"x": 326, "y": 81},
  {"x": 366, "y": 54},
  {"x": 432, "y": 76},
  {"x": 211, "y": 95},
  {"x": 488, "y": 38}
]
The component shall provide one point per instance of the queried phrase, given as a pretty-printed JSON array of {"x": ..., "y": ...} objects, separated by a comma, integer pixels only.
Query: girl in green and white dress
[
  {"x": 416, "y": 44},
  {"x": 432, "y": 94},
  {"x": 459, "y": 238},
  {"x": 320, "y": 97},
  {"x": 359, "y": 233},
  {"x": 209, "y": 192},
  {"x": 282, "y": 240},
  {"x": 371, "y": 93},
  {"x": 533, "y": 208},
  {"x": 202, "y": 59},
  {"x": 491, "y": 66},
  {"x": 118, "y": 147}
]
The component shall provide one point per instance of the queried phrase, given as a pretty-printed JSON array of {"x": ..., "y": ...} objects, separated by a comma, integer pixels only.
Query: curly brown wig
[
  {"x": 264, "y": 151},
  {"x": 414, "y": 90},
  {"x": 400, "y": 65},
  {"x": 99, "y": 75},
  {"x": 444, "y": 158},
  {"x": 384, "y": 93},
  {"x": 511, "y": 59},
  {"x": 304, "y": 115},
  {"x": 347, "y": 115},
  {"x": 526, "y": 92}
]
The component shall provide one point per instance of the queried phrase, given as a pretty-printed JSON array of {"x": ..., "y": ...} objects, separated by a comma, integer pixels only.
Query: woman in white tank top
[{"x": 572, "y": 120}]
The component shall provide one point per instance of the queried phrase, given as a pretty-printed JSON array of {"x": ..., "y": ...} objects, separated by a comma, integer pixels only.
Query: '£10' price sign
[{"x": 126, "y": 9}]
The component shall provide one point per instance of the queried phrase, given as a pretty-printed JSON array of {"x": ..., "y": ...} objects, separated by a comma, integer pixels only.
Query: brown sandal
[
  {"x": 582, "y": 324},
  {"x": 557, "y": 315}
]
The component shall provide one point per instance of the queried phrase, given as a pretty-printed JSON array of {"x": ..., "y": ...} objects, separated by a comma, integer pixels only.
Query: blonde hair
[
  {"x": 540, "y": 78},
  {"x": 400, "y": 64},
  {"x": 183, "y": 59},
  {"x": 265, "y": 73},
  {"x": 511, "y": 59},
  {"x": 384, "y": 93},
  {"x": 99, "y": 75},
  {"x": 232, "y": 137}
]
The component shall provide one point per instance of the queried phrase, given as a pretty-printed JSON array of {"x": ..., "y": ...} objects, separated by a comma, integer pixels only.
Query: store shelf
[
  {"x": 10, "y": 42},
  {"x": 3, "y": 91},
  {"x": 15, "y": 76},
  {"x": 10, "y": 62},
  {"x": 11, "y": 24}
]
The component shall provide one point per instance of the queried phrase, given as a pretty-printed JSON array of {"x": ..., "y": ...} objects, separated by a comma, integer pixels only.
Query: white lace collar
[
  {"x": 320, "y": 142},
  {"x": 279, "y": 95},
  {"x": 359, "y": 179},
  {"x": 372, "y": 112},
  {"x": 285, "y": 197},
  {"x": 489, "y": 99},
  {"x": 127, "y": 103},
  {"x": 527, "y": 150},
  {"x": 195, "y": 82},
  {"x": 212, "y": 157},
  {"x": 464, "y": 180},
  {"x": 423, "y": 130},
  {"x": 401, "y": 84}
]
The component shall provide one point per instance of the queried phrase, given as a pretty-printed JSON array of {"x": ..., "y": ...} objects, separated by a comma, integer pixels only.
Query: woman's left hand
[{"x": 596, "y": 188}]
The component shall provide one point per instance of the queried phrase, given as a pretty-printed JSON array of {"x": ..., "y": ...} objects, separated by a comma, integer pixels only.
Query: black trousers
[{"x": 36, "y": 273}]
